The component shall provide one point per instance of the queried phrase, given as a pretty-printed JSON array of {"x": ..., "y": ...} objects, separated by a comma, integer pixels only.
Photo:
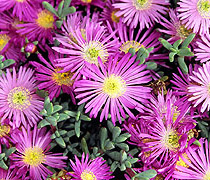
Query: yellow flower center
[
  {"x": 203, "y": 7},
  {"x": 4, "y": 39},
  {"x": 183, "y": 32},
  {"x": 130, "y": 44},
  {"x": 86, "y": 1},
  {"x": 207, "y": 175},
  {"x": 62, "y": 78},
  {"x": 19, "y": 98},
  {"x": 93, "y": 50},
  {"x": 20, "y": 1},
  {"x": 142, "y": 4},
  {"x": 114, "y": 86},
  {"x": 45, "y": 19},
  {"x": 171, "y": 140},
  {"x": 114, "y": 17},
  {"x": 4, "y": 130},
  {"x": 33, "y": 156},
  {"x": 87, "y": 175},
  {"x": 180, "y": 162}
]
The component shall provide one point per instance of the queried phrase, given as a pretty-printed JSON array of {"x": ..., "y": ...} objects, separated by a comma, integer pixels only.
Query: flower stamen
[
  {"x": 114, "y": 86},
  {"x": 33, "y": 156},
  {"x": 45, "y": 19}
]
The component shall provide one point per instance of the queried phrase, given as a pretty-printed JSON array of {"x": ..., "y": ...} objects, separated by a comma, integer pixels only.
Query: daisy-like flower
[
  {"x": 23, "y": 9},
  {"x": 7, "y": 49},
  {"x": 195, "y": 15},
  {"x": 128, "y": 38},
  {"x": 199, "y": 89},
  {"x": 108, "y": 13},
  {"x": 19, "y": 101},
  {"x": 144, "y": 12},
  {"x": 166, "y": 136},
  {"x": 196, "y": 164},
  {"x": 49, "y": 78},
  {"x": 32, "y": 155},
  {"x": 115, "y": 89},
  {"x": 8, "y": 25},
  {"x": 40, "y": 28},
  {"x": 175, "y": 28},
  {"x": 203, "y": 49},
  {"x": 85, "y": 45},
  {"x": 90, "y": 169}
]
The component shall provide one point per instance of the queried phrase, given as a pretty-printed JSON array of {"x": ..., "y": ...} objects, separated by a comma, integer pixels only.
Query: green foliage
[
  {"x": 62, "y": 12},
  {"x": 146, "y": 175},
  {"x": 141, "y": 56},
  {"x": 4, "y": 63},
  {"x": 113, "y": 145},
  {"x": 180, "y": 49},
  {"x": 4, "y": 157}
]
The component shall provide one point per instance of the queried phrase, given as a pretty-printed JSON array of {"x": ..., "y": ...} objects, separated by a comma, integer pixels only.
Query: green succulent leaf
[
  {"x": 146, "y": 175},
  {"x": 49, "y": 7}
]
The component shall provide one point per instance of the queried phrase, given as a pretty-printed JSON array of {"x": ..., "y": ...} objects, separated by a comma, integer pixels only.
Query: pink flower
[
  {"x": 114, "y": 89},
  {"x": 146, "y": 12},
  {"x": 33, "y": 154},
  {"x": 19, "y": 101},
  {"x": 195, "y": 15}
]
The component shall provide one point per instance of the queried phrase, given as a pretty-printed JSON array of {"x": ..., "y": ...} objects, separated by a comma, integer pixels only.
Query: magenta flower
[
  {"x": 203, "y": 49},
  {"x": 175, "y": 28},
  {"x": 49, "y": 78},
  {"x": 196, "y": 164},
  {"x": 8, "y": 49},
  {"x": 163, "y": 132},
  {"x": 199, "y": 88},
  {"x": 90, "y": 169},
  {"x": 146, "y": 12},
  {"x": 40, "y": 28},
  {"x": 85, "y": 45},
  {"x": 19, "y": 101},
  {"x": 108, "y": 13},
  {"x": 114, "y": 89},
  {"x": 33, "y": 154},
  {"x": 195, "y": 15},
  {"x": 23, "y": 9},
  {"x": 130, "y": 38}
]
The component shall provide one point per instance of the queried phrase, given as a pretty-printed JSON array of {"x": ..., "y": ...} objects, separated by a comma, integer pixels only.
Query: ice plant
[
  {"x": 195, "y": 15},
  {"x": 49, "y": 77},
  {"x": 109, "y": 12},
  {"x": 23, "y": 9},
  {"x": 144, "y": 12},
  {"x": 130, "y": 38},
  {"x": 33, "y": 154},
  {"x": 199, "y": 88},
  {"x": 115, "y": 89},
  {"x": 19, "y": 101},
  {"x": 87, "y": 45},
  {"x": 175, "y": 27},
  {"x": 195, "y": 164},
  {"x": 167, "y": 134},
  {"x": 202, "y": 52},
  {"x": 90, "y": 169},
  {"x": 7, "y": 49},
  {"x": 39, "y": 28}
]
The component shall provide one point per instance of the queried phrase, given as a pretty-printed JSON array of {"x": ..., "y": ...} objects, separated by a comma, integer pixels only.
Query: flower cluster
[{"x": 104, "y": 89}]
